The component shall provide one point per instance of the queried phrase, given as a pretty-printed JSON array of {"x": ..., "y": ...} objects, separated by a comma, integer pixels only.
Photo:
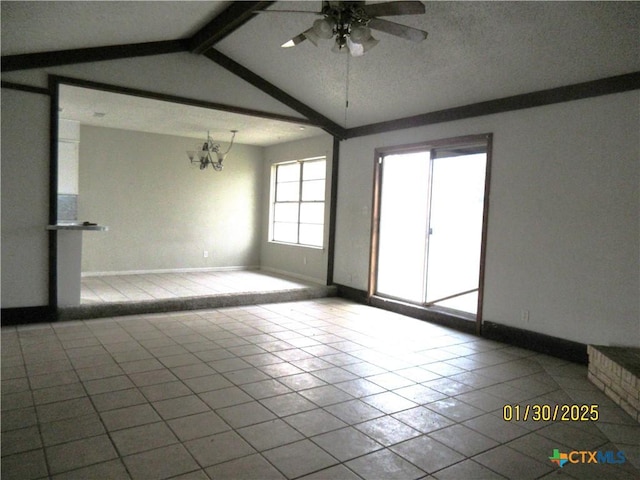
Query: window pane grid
[{"x": 298, "y": 208}]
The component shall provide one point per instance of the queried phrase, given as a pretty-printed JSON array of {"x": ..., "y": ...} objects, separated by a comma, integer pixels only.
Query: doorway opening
[
  {"x": 430, "y": 209},
  {"x": 179, "y": 272}
]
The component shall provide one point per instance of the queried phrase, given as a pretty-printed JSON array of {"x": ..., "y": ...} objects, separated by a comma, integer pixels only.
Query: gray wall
[
  {"x": 25, "y": 198},
  {"x": 564, "y": 228},
  {"x": 563, "y": 233},
  {"x": 163, "y": 213},
  {"x": 25, "y": 149},
  {"x": 307, "y": 263}
]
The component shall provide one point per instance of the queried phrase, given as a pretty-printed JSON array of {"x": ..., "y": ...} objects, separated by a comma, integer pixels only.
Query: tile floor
[
  {"x": 319, "y": 389},
  {"x": 163, "y": 286}
]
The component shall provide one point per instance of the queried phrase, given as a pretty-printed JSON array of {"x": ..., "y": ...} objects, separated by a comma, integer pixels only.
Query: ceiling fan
[{"x": 351, "y": 22}]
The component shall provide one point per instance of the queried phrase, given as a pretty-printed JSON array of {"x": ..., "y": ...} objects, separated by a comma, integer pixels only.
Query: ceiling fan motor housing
[{"x": 351, "y": 23}]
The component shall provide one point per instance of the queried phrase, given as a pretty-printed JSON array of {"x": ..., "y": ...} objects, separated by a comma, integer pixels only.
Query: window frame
[{"x": 299, "y": 202}]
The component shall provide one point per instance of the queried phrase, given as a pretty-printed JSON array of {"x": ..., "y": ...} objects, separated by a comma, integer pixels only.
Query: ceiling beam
[
  {"x": 578, "y": 91},
  {"x": 25, "y": 88},
  {"x": 222, "y": 25},
  {"x": 26, "y": 61},
  {"x": 230, "y": 19},
  {"x": 105, "y": 87},
  {"x": 273, "y": 91}
]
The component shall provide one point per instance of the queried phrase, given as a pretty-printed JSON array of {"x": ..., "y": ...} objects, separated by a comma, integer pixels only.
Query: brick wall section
[{"x": 620, "y": 382}]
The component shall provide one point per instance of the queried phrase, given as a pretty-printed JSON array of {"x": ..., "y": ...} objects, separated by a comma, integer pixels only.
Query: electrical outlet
[
  {"x": 205, "y": 254},
  {"x": 524, "y": 316}
]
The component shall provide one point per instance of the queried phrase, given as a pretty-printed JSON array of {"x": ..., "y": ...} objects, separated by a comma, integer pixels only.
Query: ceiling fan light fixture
[
  {"x": 351, "y": 23},
  {"x": 369, "y": 43},
  {"x": 358, "y": 33},
  {"x": 356, "y": 49},
  {"x": 360, "y": 40},
  {"x": 323, "y": 28}
]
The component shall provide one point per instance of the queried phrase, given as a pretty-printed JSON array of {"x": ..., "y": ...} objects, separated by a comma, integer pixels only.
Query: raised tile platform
[
  {"x": 223, "y": 300},
  {"x": 616, "y": 371}
]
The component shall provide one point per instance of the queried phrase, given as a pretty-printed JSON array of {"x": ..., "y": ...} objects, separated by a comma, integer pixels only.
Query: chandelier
[{"x": 210, "y": 150}]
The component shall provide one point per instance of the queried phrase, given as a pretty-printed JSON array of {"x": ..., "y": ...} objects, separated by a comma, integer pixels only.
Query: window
[{"x": 297, "y": 205}]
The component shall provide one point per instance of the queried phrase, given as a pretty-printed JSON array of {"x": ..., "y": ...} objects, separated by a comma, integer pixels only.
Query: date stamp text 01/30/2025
[{"x": 546, "y": 413}]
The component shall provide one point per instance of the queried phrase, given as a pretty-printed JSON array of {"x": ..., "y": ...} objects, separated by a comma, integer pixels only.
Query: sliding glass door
[
  {"x": 430, "y": 210},
  {"x": 403, "y": 226},
  {"x": 455, "y": 231}
]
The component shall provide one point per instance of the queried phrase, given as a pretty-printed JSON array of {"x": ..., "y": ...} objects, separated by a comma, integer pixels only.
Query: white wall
[
  {"x": 304, "y": 262},
  {"x": 25, "y": 198},
  {"x": 564, "y": 231},
  {"x": 68, "y": 144},
  {"x": 163, "y": 213}
]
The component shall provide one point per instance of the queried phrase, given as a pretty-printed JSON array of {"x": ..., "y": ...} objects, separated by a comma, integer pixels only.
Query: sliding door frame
[{"x": 427, "y": 146}]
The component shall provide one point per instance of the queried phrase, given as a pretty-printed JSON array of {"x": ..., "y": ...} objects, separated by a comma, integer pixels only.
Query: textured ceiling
[
  {"x": 29, "y": 27},
  {"x": 476, "y": 51},
  {"x": 154, "y": 116}
]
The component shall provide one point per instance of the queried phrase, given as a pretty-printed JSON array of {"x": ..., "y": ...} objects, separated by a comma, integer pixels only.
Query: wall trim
[
  {"x": 27, "y": 61},
  {"x": 538, "y": 342},
  {"x": 333, "y": 209},
  {"x": 354, "y": 294},
  {"x": 26, "y": 315},
  {"x": 192, "y": 102},
  {"x": 578, "y": 91},
  {"x": 25, "y": 88}
]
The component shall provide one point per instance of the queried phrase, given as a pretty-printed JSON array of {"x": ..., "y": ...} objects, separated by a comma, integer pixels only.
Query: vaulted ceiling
[{"x": 475, "y": 52}]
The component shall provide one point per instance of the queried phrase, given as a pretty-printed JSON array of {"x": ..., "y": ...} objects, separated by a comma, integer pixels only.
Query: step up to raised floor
[
  {"x": 616, "y": 371},
  {"x": 194, "y": 303}
]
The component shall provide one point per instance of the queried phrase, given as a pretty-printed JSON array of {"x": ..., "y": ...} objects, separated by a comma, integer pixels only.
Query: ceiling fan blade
[
  {"x": 394, "y": 8},
  {"x": 398, "y": 30},
  {"x": 308, "y": 34},
  {"x": 305, "y": 12},
  {"x": 294, "y": 41}
]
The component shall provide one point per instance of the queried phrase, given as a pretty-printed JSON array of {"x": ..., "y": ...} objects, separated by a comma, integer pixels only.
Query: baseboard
[
  {"x": 538, "y": 342},
  {"x": 298, "y": 276},
  {"x": 354, "y": 294},
  {"x": 26, "y": 315},
  {"x": 172, "y": 270}
]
